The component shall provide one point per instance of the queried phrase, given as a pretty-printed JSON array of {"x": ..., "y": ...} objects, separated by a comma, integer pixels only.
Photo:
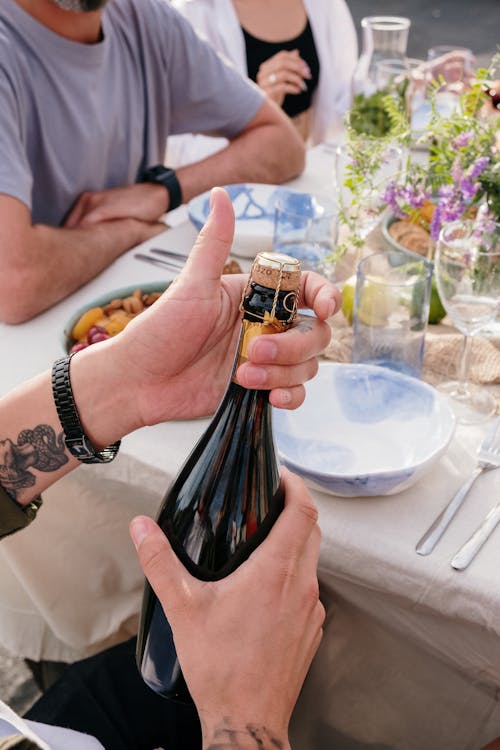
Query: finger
[
  {"x": 96, "y": 215},
  {"x": 295, "y": 525},
  {"x": 287, "y": 398},
  {"x": 76, "y": 213},
  {"x": 282, "y": 89},
  {"x": 276, "y": 376},
  {"x": 310, "y": 556},
  {"x": 291, "y": 76},
  {"x": 319, "y": 295},
  {"x": 279, "y": 60},
  {"x": 212, "y": 247},
  {"x": 307, "y": 338},
  {"x": 168, "y": 577}
]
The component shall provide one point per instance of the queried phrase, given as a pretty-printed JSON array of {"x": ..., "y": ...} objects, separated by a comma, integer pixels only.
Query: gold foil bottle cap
[{"x": 276, "y": 271}]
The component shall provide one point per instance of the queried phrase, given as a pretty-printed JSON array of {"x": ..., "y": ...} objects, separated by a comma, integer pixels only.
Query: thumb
[
  {"x": 169, "y": 579},
  {"x": 213, "y": 244}
]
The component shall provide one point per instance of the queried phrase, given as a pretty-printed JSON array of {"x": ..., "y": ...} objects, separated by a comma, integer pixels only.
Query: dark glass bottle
[{"x": 228, "y": 494}]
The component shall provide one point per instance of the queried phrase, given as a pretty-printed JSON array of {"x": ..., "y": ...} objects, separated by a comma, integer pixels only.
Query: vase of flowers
[{"x": 461, "y": 178}]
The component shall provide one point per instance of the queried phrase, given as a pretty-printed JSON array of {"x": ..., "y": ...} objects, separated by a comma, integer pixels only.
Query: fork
[{"x": 488, "y": 457}]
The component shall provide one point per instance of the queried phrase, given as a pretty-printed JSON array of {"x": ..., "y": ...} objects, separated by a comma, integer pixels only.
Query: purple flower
[
  {"x": 478, "y": 167},
  {"x": 462, "y": 140},
  {"x": 450, "y": 207},
  {"x": 403, "y": 199},
  {"x": 456, "y": 170},
  {"x": 436, "y": 222}
]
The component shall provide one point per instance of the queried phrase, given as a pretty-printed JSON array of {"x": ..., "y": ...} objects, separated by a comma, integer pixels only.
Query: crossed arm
[{"x": 46, "y": 263}]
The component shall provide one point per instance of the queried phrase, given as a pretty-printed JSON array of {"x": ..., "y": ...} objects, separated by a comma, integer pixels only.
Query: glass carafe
[{"x": 383, "y": 37}]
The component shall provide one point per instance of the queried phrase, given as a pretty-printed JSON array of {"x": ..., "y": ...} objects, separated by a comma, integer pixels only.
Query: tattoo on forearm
[
  {"x": 226, "y": 737},
  {"x": 38, "y": 448}
]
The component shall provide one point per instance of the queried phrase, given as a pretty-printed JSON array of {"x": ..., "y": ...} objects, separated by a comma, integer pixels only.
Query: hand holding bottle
[
  {"x": 175, "y": 358},
  {"x": 245, "y": 642}
]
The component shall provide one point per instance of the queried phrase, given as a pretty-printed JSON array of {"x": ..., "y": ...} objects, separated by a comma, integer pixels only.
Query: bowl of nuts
[{"x": 109, "y": 314}]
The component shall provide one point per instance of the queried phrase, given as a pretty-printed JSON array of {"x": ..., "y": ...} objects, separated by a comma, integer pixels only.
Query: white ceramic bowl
[
  {"x": 254, "y": 206},
  {"x": 364, "y": 430}
]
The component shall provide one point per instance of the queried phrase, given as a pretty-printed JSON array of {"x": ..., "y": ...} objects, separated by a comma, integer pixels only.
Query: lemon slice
[
  {"x": 376, "y": 303},
  {"x": 348, "y": 291}
]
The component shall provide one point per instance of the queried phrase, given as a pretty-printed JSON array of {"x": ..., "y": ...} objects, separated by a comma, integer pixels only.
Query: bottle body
[{"x": 226, "y": 497}]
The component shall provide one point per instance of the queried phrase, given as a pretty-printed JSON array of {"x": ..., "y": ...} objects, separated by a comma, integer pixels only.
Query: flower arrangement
[{"x": 460, "y": 178}]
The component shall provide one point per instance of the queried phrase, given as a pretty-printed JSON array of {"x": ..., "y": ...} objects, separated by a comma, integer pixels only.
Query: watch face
[
  {"x": 159, "y": 173},
  {"x": 165, "y": 176}
]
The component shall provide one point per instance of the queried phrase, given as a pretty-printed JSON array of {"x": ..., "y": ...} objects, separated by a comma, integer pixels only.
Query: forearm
[
  {"x": 32, "y": 451},
  {"x": 271, "y": 153},
  {"x": 46, "y": 263}
]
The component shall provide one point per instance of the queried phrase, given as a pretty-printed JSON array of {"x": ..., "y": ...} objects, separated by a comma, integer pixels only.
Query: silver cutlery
[
  {"x": 488, "y": 457},
  {"x": 469, "y": 550},
  {"x": 168, "y": 253},
  {"x": 171, "y": 265}
]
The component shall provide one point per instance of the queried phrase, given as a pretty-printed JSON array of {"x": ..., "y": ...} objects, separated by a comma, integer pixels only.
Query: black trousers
[{"x": 106, "y": 697}]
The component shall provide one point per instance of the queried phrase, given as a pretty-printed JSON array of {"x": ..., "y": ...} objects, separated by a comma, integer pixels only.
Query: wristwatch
[
  {"x": 77, "y": 442},
  {"x": 161, "y": 175}
]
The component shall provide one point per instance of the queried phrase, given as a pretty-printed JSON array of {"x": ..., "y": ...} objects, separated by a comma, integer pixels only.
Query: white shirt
[{"x": 336, "y": 46}]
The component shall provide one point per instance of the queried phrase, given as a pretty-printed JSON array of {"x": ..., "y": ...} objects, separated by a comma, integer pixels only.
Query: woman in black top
[{"x": 281, "y": 54}]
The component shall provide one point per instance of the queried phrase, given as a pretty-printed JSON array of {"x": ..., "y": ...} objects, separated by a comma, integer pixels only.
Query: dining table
[{"x": 410, "y": 656}]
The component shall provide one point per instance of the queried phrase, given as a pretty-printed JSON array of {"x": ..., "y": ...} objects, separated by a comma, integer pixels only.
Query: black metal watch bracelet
[{"x": 77, "y": 442}]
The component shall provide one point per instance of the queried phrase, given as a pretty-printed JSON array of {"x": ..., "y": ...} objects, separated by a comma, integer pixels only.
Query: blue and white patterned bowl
[
  {"x": 364, "y": 430},
  {"x": 254, "y": 206}
]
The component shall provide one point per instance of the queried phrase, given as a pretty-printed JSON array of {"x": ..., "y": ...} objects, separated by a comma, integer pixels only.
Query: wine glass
[{"x": 467, "y": 268}]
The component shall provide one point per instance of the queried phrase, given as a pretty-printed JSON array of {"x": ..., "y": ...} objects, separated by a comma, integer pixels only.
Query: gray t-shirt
[{"x": 76, "y": 117}]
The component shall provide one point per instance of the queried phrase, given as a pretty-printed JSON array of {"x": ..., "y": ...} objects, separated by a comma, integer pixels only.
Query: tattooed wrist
[
  {"x": 37, "y": 448},
  {"x": 226, "y": 736}
]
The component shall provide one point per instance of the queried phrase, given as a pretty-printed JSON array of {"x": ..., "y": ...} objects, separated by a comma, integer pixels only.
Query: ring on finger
[{"x": 272, "y": 78}]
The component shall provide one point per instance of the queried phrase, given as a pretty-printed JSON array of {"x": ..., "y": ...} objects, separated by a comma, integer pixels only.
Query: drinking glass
[
  {"x": 391, "y": 309},
  {"x": 453, "y": 67},
  {"x": 305, "y": 227},
  {"x": 392, "y": 72},
  {"x": 467, "y": 268},
  {"x": 405, "y": 79}
]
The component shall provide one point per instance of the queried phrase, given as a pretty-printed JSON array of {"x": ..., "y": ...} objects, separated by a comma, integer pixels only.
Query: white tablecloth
[{"x": 411, "y": 654}]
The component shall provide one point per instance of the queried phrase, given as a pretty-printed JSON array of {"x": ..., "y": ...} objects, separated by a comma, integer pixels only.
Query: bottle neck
[
  {"x": 250, "y": 329},
  {"x": 265, "y": 311}
]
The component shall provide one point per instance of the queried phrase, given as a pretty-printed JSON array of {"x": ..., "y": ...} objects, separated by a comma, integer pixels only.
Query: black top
[{"x": 257, "y": 51}]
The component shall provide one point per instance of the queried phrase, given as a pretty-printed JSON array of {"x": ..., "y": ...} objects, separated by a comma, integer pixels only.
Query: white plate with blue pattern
[
  {"x": 254, "y": 206},
  {"x": 364, "y": 430}
]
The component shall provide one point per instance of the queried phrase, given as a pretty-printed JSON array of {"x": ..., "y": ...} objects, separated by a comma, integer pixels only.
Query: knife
[
  {"x": 171, "y": 265},
  {"x": 469, "y": 550},
  {"x": 168, "y": 253}
]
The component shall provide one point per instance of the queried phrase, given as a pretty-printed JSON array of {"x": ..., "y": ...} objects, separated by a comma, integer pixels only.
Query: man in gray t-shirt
[{"x": 89, "y": 92}]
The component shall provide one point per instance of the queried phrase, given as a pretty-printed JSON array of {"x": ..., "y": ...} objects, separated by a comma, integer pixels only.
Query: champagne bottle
[{"x": 228, "y": 494}]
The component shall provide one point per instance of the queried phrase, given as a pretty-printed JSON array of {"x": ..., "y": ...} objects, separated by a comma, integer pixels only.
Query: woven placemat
[{"x": 443, "y": 348}]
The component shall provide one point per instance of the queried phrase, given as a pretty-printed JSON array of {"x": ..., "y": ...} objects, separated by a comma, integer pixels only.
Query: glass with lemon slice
[{"x": 391, "y": 309}]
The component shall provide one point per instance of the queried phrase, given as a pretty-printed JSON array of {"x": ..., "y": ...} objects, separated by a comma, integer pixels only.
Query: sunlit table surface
[{"x": 410, "y": 658}]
